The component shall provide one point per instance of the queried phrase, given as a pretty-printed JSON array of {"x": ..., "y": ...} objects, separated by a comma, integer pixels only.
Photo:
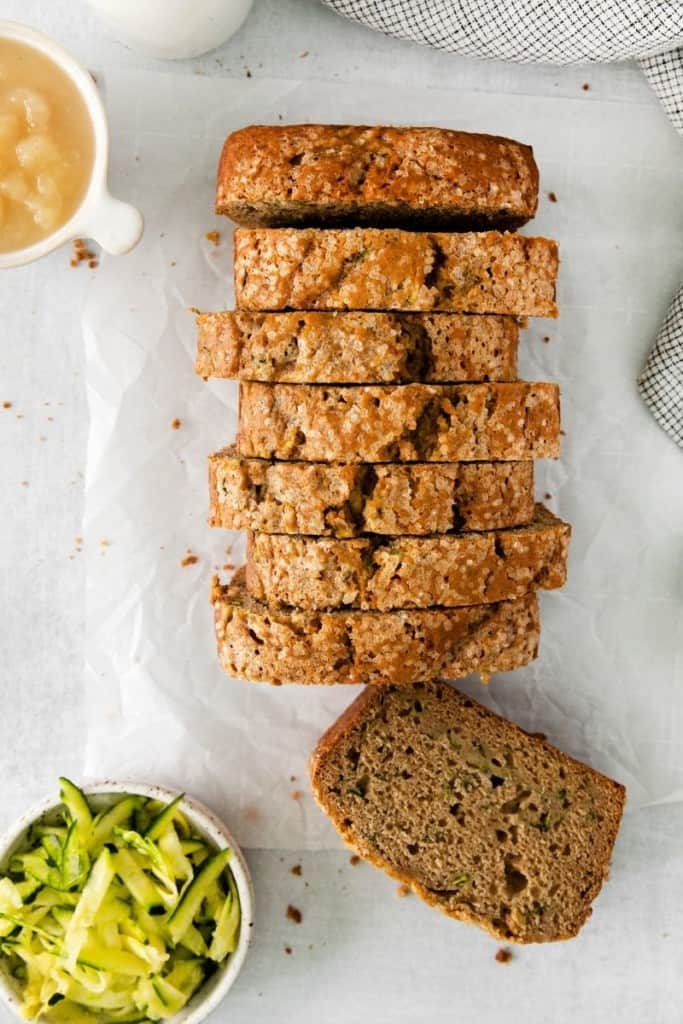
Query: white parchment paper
[{"x": 608, "y": 686}]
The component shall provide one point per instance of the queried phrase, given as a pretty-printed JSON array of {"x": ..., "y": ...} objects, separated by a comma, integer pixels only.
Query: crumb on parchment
[
  {"x": 189, "y": 559},
  {"x": 296, "y": 870},
  {"x": 586, "y": 86},
  {"x": 503, "y": 956},
  {"x": 213, "y": 236},
  {"x": 176, "y": 424},
  {"x": 354, "y": 859},
  {"x": 403, "y": 890},
  {"x": 7, "y": 405},
  {"x": 296, "y": 794},
  {"x": 288, "y": 950},
  {"x": 294, "y": 914},
  {"x": 552, "y": 196}
]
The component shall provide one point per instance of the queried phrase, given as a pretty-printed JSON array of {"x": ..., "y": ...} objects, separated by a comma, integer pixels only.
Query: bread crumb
[
  {"x": 586, "y": 86},
  {"x": 213, "y": 237},
  {"x": 547, "y": 495},
  {"x": 7, "y": 405},
  {"x": 403, "y": 891},
  {"x": 104, "y": 543},
  {"x": 24, "y": 483},
  {"x": 189, "y": 559},
  {"x": 552, "y": 196},
  {"x": 296, "y": 870},
  {"x": 82, "y": 254},
  {"x": 354, "y": 859},
  {"x": 296, "y": 794},
  {"x": 93, "y": 264},
  {"x": 288, "y": 950},
  {"x": 176, "y": 424},
  {"x": 294, "y": 914},
  {"x": 304, "y": 54},
  {"x": 546, "y": 338},
  {"x": 248, "y": 73},
  {"x": 292, "y": 778},
  {"x": 503, "y": 956}
]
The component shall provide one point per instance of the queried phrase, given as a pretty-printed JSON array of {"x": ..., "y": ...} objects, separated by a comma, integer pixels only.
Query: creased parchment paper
[{"x": 608, "y": 686}]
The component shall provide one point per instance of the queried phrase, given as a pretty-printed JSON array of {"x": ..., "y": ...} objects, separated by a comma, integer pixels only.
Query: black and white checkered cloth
[{"x": 575, "y": 32}]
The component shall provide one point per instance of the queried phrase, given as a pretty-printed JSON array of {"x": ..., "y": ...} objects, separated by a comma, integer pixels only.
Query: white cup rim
[
  {"x": 81, "y": 222},
  {"x": 209, "y": 996}
]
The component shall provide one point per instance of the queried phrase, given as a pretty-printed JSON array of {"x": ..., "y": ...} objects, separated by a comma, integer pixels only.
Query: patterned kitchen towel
[{"x": 650, "y": 31}]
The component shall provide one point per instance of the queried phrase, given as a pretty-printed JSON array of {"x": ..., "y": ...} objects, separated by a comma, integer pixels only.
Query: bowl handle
[{"x": 116, "y": 226}]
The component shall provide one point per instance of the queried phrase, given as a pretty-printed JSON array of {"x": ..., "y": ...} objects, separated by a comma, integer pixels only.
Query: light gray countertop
[{"x": 383, "y": 959}]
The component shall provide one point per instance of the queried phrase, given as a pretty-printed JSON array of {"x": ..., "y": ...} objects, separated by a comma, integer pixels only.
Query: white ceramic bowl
[
  {"x": 116, "y": 226},
  {"x": 209, "y": 827},
  {"x": 173, "y": 29}
]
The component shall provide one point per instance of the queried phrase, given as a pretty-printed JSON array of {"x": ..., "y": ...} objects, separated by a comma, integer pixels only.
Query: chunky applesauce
[{"x": 46, "y": 146}]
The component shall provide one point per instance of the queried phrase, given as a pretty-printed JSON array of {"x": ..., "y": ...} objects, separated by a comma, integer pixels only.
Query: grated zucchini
[{"x": 115, "y": 917}]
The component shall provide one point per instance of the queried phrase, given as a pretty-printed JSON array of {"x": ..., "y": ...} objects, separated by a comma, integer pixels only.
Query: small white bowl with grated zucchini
[{"x": 121, "y": 903}]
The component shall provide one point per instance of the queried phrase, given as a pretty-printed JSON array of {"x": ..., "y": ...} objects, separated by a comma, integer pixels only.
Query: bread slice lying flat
[
  {"x": 364, "y": 268},
  {"x": 382, "y": 573},
  {"x": 346, "y": 174},
  {"x": 400, "y": 423},
  {"x": 356, "y": 348},
  {"x": 293, "y": 646},
  {"x": 487, "y": 823},
  {"x": 337, "y": 500}
]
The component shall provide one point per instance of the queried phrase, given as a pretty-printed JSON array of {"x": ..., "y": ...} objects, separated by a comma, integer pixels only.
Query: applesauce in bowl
[{"x": 47, "y": 146}]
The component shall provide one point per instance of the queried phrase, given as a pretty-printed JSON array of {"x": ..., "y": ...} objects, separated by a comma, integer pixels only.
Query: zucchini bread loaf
[
  {"x": 408, "y": 572},
  {"x": 356, "y": 348},
  {"x": 400, "y": 423},
  {"x": 337, "y": 500},
  {"x": 487, "y": 823},
  {"x": 365, "y": 268},
  {"x": 346, "y": 174},
  {"x": 293, "y": 646}
]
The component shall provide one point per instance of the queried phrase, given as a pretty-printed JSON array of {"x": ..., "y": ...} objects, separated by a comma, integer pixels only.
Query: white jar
[{"x": 173, "y": 29}]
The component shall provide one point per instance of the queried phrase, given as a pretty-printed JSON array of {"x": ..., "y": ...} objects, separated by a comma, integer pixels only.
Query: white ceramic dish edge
[
  {"x": 114, "y": 225},
  {"x": 208, "y": 824}
]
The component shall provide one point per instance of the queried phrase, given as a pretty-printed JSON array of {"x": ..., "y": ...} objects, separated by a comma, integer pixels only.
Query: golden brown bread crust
[
  {"x": 545, "y": 862},
  {"x": 366, "y": 268},
  {"x": 262, "y": 644},
  {"x": 382, "y": 573},
  {"x": 400, "y": 423},
  {"x": 356, "y": 347},
  {"x": 338, "y": 500},
  {"x": 335, "y": 175}
]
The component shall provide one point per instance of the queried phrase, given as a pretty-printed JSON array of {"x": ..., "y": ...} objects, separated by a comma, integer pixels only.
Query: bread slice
[
  {"x": 337, "y": 500},
  {"x": 400, "y": 423},
  {"x": 487, "y": 823},
  {"x": 356, "y": 348},
  {"x": 325, "y": 174},
  {"x": 364, "y": 268},
  {"x": 293, "y": 646},
  {"x": 408, "y": 572}
]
